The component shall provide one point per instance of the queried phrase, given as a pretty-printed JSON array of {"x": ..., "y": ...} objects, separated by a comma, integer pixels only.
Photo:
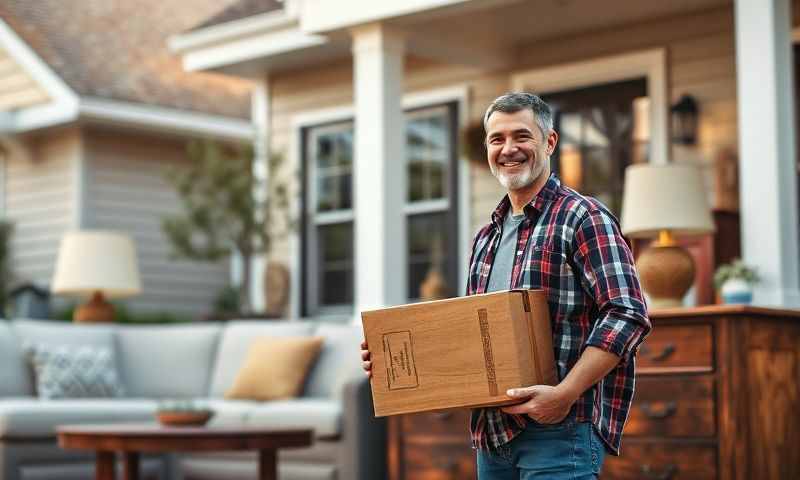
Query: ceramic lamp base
[
  {"x": 667, "y": 273},
  {"x": 96, "y": 310}
]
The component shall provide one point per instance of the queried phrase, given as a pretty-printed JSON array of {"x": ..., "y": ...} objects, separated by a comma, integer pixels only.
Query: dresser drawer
[
  {"x": 439, "y": 462},
  {"x": 676, "y": 348},
  {"x": 448, "y": 423},
  {"x": 661, "y": 461},
  {"x": 673, "y": 407}
]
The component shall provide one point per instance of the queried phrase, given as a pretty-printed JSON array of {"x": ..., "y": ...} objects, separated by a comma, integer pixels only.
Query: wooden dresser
[{"x": 717, "y": 397}]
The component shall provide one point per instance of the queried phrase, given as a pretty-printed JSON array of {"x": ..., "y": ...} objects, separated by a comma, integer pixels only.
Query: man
[{"x": 546, "y": 236}]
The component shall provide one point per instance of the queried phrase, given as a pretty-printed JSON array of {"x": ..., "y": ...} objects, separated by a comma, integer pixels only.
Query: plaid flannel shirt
[{"x": 571, "y": 247}]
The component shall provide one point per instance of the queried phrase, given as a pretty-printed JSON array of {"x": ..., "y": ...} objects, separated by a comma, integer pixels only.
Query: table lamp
[
  {"x": 97, "y": 265},
  {"x": 661, "y": 201}
]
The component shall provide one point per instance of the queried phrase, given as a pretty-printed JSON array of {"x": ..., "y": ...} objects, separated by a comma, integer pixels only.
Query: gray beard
[{"x": 516, "y": 181}]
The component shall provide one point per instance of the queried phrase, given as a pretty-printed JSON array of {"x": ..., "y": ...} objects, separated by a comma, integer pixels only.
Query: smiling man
[{"x": 544, "y": 235}]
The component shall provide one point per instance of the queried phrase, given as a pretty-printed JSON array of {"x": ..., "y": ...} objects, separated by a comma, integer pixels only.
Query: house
[
  {"x": 93, "y": 107},
  {"x": 381, "y": 205}
]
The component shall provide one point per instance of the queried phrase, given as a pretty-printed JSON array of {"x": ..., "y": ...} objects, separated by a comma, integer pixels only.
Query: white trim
[
  {"x": 79, "y": 181},
  {"x": 37, "y": 68},
  {"x": 229, "y": 31},
  {"x": 62, "y": 107},
  {"x": 456, "y": 93},
  {"x": 426, "y": 206},
  {"x": 651, "y": 64},
  {"x": 165, "y": 119},
  {"x": 336, "y": 216}
]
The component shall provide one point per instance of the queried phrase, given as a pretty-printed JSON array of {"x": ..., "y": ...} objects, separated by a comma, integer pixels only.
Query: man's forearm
[{"x": 591, "y": 367}]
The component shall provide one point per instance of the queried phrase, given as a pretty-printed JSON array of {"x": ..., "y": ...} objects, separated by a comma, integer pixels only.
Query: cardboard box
[{"x": 460, "y": 352}]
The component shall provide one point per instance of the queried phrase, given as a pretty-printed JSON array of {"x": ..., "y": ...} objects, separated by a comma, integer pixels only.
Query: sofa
[{"x": 197, "y": 361}]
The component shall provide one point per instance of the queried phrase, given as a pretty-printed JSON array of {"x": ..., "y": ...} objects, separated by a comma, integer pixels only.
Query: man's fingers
[
  {"x": 367, "y": 365},
  {"x": 517, "y": 409},
  {"x": 523, "y": 392},
  {"x": 364, "y": 345},
  {"x": 364, "y": 354}
]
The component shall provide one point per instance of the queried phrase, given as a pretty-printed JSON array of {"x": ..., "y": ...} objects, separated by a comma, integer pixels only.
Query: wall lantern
[{"x": 684, "y": 120}]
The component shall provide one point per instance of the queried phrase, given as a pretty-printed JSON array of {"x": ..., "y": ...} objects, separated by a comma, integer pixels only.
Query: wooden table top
[{"x": 153, "y": 437}]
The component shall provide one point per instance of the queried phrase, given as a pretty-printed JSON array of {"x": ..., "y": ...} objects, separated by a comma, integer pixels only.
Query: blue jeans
[{"x": 567, "y": 450}]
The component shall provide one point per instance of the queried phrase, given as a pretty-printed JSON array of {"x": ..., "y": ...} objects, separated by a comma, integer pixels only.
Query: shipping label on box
[{"x": 460, "y": 352}]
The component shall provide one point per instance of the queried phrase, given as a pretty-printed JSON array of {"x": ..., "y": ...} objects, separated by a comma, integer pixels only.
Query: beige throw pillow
[{"x": 275, "y": 368}]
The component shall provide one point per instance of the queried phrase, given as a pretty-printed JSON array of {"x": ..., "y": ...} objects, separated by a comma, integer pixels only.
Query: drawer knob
[
  {"x": 656, "y": 413},
  {"x": 667, "y": 474},
  {"x": 443, "y": 415},
  {"x": 668, "y": 350}
]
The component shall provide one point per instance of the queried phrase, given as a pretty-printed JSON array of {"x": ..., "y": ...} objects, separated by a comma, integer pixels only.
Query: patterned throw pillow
[{"x": 74, "y": 372}]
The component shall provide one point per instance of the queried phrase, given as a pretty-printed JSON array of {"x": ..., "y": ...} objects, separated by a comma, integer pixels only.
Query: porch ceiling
[{"x": 521, "y": 22}]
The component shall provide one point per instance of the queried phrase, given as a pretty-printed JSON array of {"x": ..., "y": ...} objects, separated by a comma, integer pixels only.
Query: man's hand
[
  {"x": 546, "y": 404},
  {"x": 365, "y": 359}
]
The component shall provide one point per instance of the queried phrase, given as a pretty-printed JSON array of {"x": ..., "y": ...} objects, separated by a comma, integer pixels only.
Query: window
[
  {"x": 602, "y": 129},
  {"x": 431, "y": 202},
  {"x": 327, "y": 229}
]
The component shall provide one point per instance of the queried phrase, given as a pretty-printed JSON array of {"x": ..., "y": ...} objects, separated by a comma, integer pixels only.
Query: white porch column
[
  {"x": 767, "y": 176},
  {"x": 260, "y": 118},
  {"x": 379, "y": 168}
]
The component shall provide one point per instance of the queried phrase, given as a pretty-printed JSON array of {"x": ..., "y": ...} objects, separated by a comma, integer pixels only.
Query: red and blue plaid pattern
[{"x": 571, "y": 247}]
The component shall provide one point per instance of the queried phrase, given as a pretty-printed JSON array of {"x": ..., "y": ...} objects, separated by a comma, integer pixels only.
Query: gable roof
[
  {"x": 241, "y": 9},
  {"x": 117, "y": 50}
]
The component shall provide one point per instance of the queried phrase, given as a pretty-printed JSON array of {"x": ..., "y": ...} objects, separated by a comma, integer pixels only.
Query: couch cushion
[
  {"x": 338, "y": 362},
  {"x": 33, "y": 418},
  {"x": 51, "y": 332},
  {"x": 322, "y": 416},
  {"x": 74, "y": 372},
  {"x": 275, "y": 368},
  {"x": 15, "y": 378},
  {"x": 235, "y": 342},
  {"x": 166, "y": 361}
]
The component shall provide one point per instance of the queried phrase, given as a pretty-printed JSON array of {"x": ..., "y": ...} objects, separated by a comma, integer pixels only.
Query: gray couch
[{"x": 192, "y": 361}]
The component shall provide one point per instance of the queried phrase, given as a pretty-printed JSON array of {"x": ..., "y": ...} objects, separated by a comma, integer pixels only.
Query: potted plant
[{"x": 735, "y": 281}]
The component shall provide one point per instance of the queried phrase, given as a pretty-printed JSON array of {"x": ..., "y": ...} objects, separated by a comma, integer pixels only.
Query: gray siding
[
  {"x": 126, "y": 190},
  {"x": 39, "y": 198}
]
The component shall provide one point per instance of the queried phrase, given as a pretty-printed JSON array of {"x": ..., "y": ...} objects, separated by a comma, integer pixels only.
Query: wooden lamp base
[
  {"x": 96, "y": 310},
  {"x": 667, "y": 272}
]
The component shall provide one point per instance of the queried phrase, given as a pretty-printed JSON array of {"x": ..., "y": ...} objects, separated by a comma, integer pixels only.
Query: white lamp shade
[
  {"x": 93, "y": 260},
  {"x": 664, "y": 197}
]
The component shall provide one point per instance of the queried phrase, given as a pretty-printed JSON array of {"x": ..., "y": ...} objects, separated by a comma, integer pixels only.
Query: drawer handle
[
  {"x": 442, "y": 415},
  {"x": 669, "y": 349},
  {"x": 668, "y": 410},
  {"x": 668, "y": 473}
]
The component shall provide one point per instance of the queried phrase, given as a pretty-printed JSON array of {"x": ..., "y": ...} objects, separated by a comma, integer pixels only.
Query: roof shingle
[{"x": 117, "y": 49}]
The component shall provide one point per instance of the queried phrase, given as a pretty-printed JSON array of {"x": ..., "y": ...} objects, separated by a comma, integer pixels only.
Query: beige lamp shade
[
  {"x": 664, "y": 197},
  {"x": 94, "y": 260}
]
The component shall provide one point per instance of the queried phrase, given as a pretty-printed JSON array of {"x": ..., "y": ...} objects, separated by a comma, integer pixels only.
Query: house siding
[
  {"x": 17, "y": 88},
  {"x": 39, "y": 199},
  {"x": 126, "y": 190}
]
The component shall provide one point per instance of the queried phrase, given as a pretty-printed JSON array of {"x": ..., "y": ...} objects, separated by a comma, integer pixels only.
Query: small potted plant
[
  {"x": 182, "y": 413},
  {"x": 735, "y": 281}
]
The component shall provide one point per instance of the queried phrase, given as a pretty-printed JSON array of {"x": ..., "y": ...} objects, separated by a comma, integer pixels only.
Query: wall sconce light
[{"x": 684, "y": 120}]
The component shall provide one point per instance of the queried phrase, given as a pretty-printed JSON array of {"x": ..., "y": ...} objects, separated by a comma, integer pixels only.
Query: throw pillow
[
  {"x": 275, "y": 368},
  {"x": 74, "y": 372}
]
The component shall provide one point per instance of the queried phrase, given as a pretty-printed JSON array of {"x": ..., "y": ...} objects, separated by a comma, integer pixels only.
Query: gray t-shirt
[{"x": 500, "y": 277}]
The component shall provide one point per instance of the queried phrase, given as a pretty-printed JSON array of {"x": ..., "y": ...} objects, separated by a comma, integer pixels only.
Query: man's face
[{"x": 517, "y": 151}]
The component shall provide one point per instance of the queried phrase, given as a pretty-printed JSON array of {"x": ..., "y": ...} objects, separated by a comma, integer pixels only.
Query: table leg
[
  {"x": 104, "y": 466},
  {"x": 131, "y": 465},
  {"x": 267, "y": 465}
]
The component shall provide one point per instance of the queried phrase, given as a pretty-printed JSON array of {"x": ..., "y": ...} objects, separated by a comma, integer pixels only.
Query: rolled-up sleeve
[{"x": 607, "y": 274}]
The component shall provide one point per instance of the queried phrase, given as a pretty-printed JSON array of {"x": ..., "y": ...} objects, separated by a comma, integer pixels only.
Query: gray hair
[{"x": 513, "y": 102}]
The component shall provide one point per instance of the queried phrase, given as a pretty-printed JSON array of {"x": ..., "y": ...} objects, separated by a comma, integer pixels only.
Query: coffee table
[{"x": 133, "y": 439}]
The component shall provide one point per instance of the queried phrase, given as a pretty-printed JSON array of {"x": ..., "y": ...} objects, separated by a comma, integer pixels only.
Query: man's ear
[{"x": 552, "y": 141}]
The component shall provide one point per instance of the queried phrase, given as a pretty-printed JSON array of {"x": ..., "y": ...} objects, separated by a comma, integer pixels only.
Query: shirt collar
[{"x": 536, "y": 205}]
